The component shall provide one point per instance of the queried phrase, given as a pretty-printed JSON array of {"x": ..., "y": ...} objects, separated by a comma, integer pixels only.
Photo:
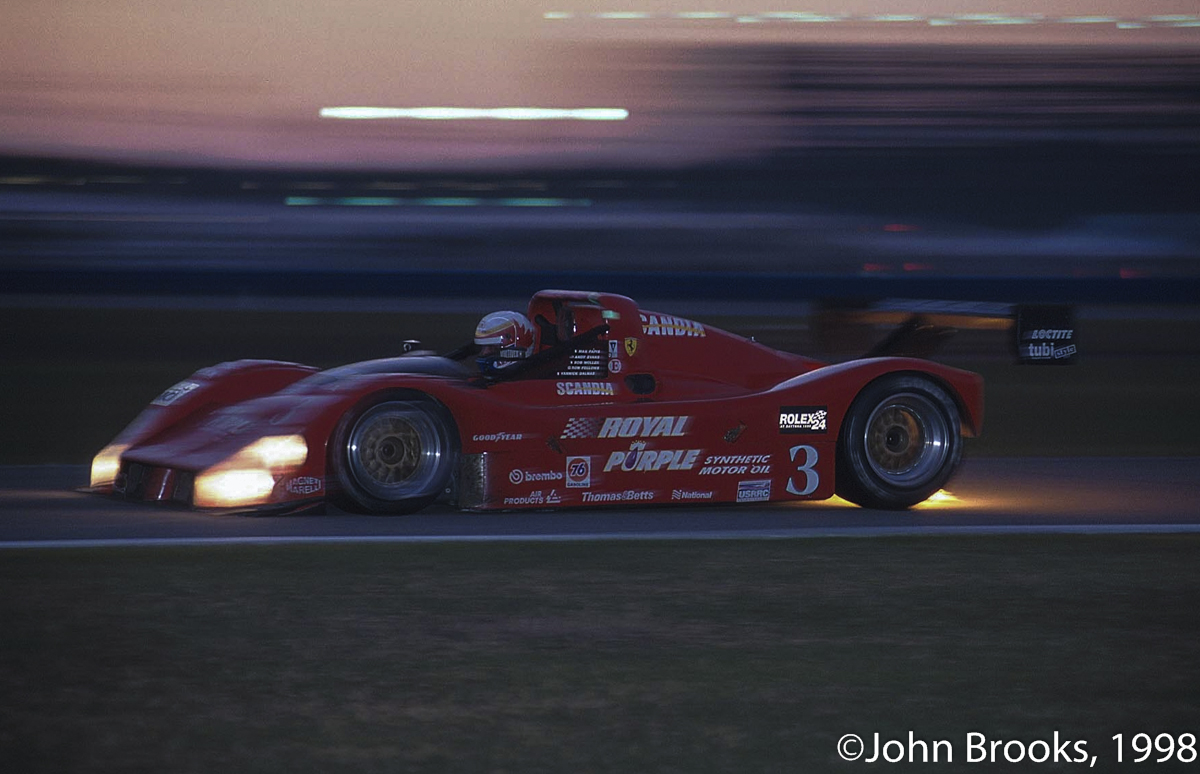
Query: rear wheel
[
  {"x": 394, "y": 456},
  {"x": 899, "y": 444}
]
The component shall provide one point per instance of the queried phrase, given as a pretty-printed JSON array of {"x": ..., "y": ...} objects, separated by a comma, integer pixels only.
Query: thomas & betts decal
[{"x": 802, "y": 419}]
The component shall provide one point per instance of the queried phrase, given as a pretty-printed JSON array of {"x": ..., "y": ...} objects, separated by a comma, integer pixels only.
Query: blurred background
[{"x": 410, "y": 160}]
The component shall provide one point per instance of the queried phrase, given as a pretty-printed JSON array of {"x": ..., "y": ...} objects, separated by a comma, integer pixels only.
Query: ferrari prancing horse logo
[{"x": 631, "y": 345}]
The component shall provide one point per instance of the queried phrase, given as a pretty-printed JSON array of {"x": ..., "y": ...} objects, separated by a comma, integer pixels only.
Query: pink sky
[{"x": 220, "y": 81}]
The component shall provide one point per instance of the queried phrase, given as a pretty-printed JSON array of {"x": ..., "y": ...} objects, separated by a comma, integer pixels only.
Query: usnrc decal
[
  {"x": 626, "y": 427},
  {"x": 802, "y": 419},
  {"x": 754, "y": 491},
  {"x": 665, "y": 325}
]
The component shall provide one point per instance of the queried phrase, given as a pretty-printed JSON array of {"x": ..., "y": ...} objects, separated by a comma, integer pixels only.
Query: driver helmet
[{"x": 504, "y": 338}]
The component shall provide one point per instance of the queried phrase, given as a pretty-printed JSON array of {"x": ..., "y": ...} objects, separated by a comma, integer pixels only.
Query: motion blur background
[{"x": 706, "y": 158}]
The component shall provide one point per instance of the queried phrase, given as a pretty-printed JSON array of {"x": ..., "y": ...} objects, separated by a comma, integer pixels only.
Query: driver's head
[{"x": 504, "y": 338}]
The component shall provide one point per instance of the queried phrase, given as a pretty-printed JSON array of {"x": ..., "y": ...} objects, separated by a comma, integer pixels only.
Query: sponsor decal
[
  {"x": 497, "y": 437},
  {"x": 802, "y": 419},
  {"x": 631, "y": 346},
  {"x": 519, "y": 476},
  {"x": 614, "y": 349},
  {"x": 584, "y": 364},
  {"x": 1049, "y": 333},
  {"x": 1045, "y": 334},
  {"x": 615, "y": 366},
  {"x": 174, "y": 393},
  {"x": 754, "y": 491},
  {"x": 690, "y": 494},
  {"x": 304, "y": 485},
  {"x": 585, "y": 388},
  {"x": 736, "y": 465},
  {"x": 626, "y": 427},
  {"x": 1046, "y": 351},
  {"x": 536, "y": 498},
  {"x": 640, "y": 459},
  {"x": 579, "y": 472},
  {"x": 628, "y": 496},
  {"x": 665, "y": 325},
  {"x": 644, "y": 427}
]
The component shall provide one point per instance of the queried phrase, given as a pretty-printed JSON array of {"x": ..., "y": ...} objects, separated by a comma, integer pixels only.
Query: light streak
[{"x": 476, "y": 114}]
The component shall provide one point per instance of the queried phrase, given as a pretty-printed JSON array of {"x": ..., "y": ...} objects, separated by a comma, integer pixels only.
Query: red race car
[{"x": 592, "y": 401}]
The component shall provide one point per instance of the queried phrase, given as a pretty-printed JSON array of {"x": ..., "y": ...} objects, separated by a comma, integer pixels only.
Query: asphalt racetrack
[{"x": 39, "y": 508}]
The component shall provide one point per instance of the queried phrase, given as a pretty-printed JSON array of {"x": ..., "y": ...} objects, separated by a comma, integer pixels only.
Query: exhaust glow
[
  {"x": 939, "y": 500},
  {"x": 476, "y": 114}
]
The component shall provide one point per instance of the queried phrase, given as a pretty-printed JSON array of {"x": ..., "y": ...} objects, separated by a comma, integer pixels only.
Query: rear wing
[{"x": 1039, "y": 334}]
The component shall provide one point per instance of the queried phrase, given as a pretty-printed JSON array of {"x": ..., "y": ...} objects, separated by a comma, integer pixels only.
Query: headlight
[
  {"x": 248, "y": 477},
  {"x": 106, "y": 464}
]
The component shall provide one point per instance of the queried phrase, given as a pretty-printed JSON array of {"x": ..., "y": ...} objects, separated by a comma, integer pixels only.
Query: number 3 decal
[{"x": 811, "y": 478}]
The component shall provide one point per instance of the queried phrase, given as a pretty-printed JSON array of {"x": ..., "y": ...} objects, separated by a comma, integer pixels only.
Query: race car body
[{"x": 617, "y": 405}]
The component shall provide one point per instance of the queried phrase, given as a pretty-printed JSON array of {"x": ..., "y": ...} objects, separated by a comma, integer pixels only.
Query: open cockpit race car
[{"x": 615, "y": 405}]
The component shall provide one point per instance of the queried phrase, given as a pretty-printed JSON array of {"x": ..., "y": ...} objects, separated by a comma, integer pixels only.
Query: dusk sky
[{"x": 214, "y": 81}]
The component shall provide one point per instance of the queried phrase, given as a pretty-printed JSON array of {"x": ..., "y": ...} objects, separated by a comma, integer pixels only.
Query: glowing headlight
[
  {"x": 231, "y": 488},
  {"x": 277, "y": 452},
  {"x": 248, "y": 477},
  {"x": 106, "y": 464}
]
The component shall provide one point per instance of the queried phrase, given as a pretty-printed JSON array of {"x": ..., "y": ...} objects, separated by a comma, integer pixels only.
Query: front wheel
[
  {"x": 899, "y": 444},
  {"x": 394, "y": 456}
]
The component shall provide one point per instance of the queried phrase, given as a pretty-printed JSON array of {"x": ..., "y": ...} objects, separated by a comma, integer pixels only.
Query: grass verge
[{"x": 623, "y": 657}]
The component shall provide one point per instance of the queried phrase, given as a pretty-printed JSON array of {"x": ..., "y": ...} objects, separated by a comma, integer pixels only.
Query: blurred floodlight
[
  {"x": 476, "y": 114},
  {"x": 623, "y": 15}
]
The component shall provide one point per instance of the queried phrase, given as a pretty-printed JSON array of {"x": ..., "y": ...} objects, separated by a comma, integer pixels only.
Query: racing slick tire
[
  {"x": 899, "y": 444},
  {"x": 394, "y": 455}
]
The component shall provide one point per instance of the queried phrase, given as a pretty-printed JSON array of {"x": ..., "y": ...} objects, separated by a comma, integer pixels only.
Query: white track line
[{"x": 790, "y": 534}]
